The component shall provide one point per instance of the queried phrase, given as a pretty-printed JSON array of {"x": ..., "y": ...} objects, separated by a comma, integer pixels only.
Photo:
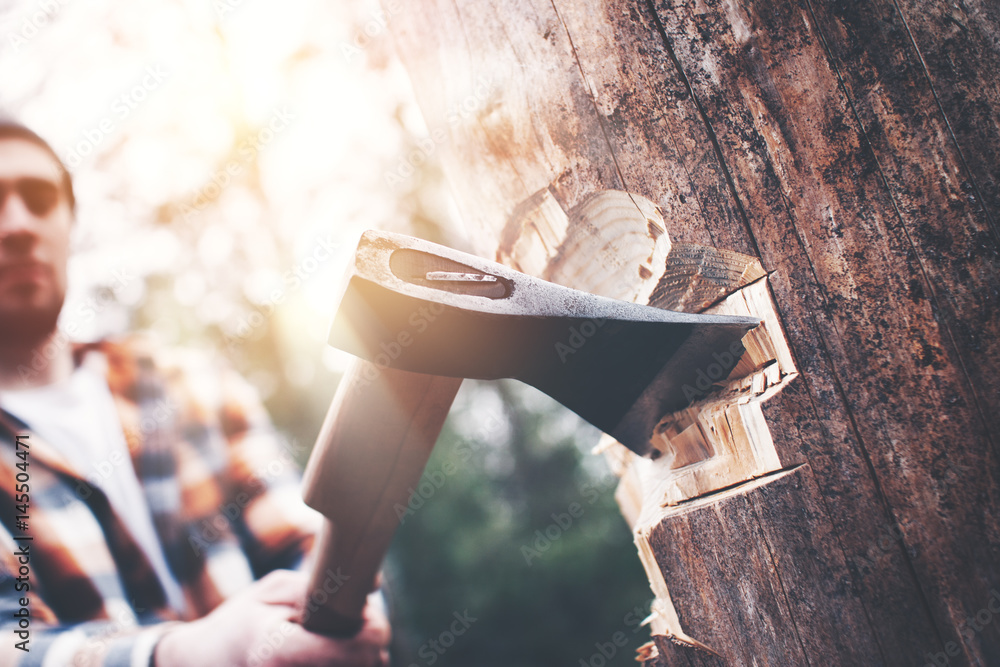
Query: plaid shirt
[{"x": 221, "y": 490}]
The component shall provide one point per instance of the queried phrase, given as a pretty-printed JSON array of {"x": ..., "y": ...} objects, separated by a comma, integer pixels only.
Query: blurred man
[{"x": 137, "y": 492}]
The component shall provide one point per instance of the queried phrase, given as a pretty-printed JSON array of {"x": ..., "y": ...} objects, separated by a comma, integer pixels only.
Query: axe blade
[{"x": 417, "y": 306}]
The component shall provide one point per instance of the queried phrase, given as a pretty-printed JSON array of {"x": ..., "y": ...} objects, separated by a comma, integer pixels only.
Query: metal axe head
[{"x": 418, "y": 306}]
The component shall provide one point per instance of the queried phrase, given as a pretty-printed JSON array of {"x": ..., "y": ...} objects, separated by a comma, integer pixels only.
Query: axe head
[{"x": 418, "y": 306}]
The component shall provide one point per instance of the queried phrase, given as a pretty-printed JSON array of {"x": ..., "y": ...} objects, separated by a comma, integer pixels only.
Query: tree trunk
[{"x": 844, "y": 508}]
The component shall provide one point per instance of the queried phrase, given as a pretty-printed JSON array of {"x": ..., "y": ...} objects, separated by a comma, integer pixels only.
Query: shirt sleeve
[
  {"x": 263, "y": 481},
  {"x": 30, "y": 638}
]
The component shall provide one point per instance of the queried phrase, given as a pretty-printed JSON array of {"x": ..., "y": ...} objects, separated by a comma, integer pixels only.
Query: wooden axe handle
[{"x": 370, "y": 454}]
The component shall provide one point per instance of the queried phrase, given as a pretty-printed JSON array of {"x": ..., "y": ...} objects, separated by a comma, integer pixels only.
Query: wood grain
[
  {"x": 851, "y": 147},
  {"x": 371, "y": 451}
]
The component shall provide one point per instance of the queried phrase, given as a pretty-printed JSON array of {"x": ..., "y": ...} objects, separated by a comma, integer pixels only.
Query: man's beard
[{"x": 29, "y": 327}]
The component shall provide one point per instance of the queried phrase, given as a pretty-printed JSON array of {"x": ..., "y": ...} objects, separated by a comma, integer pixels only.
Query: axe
[{"x": 421, "y": 317}]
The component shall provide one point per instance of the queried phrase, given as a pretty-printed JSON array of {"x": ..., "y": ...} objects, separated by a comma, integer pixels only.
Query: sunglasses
[{"x": 39, "y": 195}]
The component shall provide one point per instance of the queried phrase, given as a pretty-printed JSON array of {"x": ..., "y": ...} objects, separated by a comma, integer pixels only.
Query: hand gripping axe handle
[
  {"x": 371, "y": 450},
  {"x": 421, "y": 317}
]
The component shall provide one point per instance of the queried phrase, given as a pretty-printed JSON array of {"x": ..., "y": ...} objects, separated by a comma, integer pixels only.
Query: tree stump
[{"x": 828, "y": 165}]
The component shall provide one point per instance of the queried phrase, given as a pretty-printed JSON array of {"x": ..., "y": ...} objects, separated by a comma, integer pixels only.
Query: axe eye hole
[{"x": 429, "y": 270}]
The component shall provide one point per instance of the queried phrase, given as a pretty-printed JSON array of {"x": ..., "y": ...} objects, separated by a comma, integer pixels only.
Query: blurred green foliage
[{"x": 521, "y": 532}]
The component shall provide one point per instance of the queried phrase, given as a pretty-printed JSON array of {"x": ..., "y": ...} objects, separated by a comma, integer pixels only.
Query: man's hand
[{"x": 257, "y": 628}]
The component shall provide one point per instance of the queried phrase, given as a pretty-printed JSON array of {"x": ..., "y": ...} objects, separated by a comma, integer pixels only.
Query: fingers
[
  {"x": 281, "y": 587},
  {"x": 312, "y": 649},
  {"x": 369, "y": 646},
  {"x": 376, "y": 629},
  {"x": 284, "y": 592}
]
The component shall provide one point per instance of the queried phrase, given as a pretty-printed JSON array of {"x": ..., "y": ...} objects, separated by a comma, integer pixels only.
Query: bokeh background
[{"x": 226, "y": 155}]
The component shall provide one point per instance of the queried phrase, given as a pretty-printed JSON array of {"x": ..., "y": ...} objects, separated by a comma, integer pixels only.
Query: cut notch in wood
[
  {"x": 721, "y": 441},
  {"x": 613, "y": 243},
  {"x": 722, "y": 438}
]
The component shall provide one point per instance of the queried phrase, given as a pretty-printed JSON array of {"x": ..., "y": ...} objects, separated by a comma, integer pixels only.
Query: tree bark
[{"x": 850, "y": 146}]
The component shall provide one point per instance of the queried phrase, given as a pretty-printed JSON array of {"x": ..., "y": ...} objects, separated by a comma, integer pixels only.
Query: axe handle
[{"x": 371, "y": 451}]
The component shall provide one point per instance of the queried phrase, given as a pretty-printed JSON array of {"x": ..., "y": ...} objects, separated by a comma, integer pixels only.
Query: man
[{"x": 131, "y": 564}]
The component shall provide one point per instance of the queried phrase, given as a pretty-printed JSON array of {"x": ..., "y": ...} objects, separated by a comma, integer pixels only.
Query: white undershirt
[{"x": 78, "y": 418}]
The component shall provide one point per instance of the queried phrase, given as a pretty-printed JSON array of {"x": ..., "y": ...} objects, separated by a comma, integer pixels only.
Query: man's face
[{"x": 34, "y": 242}]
